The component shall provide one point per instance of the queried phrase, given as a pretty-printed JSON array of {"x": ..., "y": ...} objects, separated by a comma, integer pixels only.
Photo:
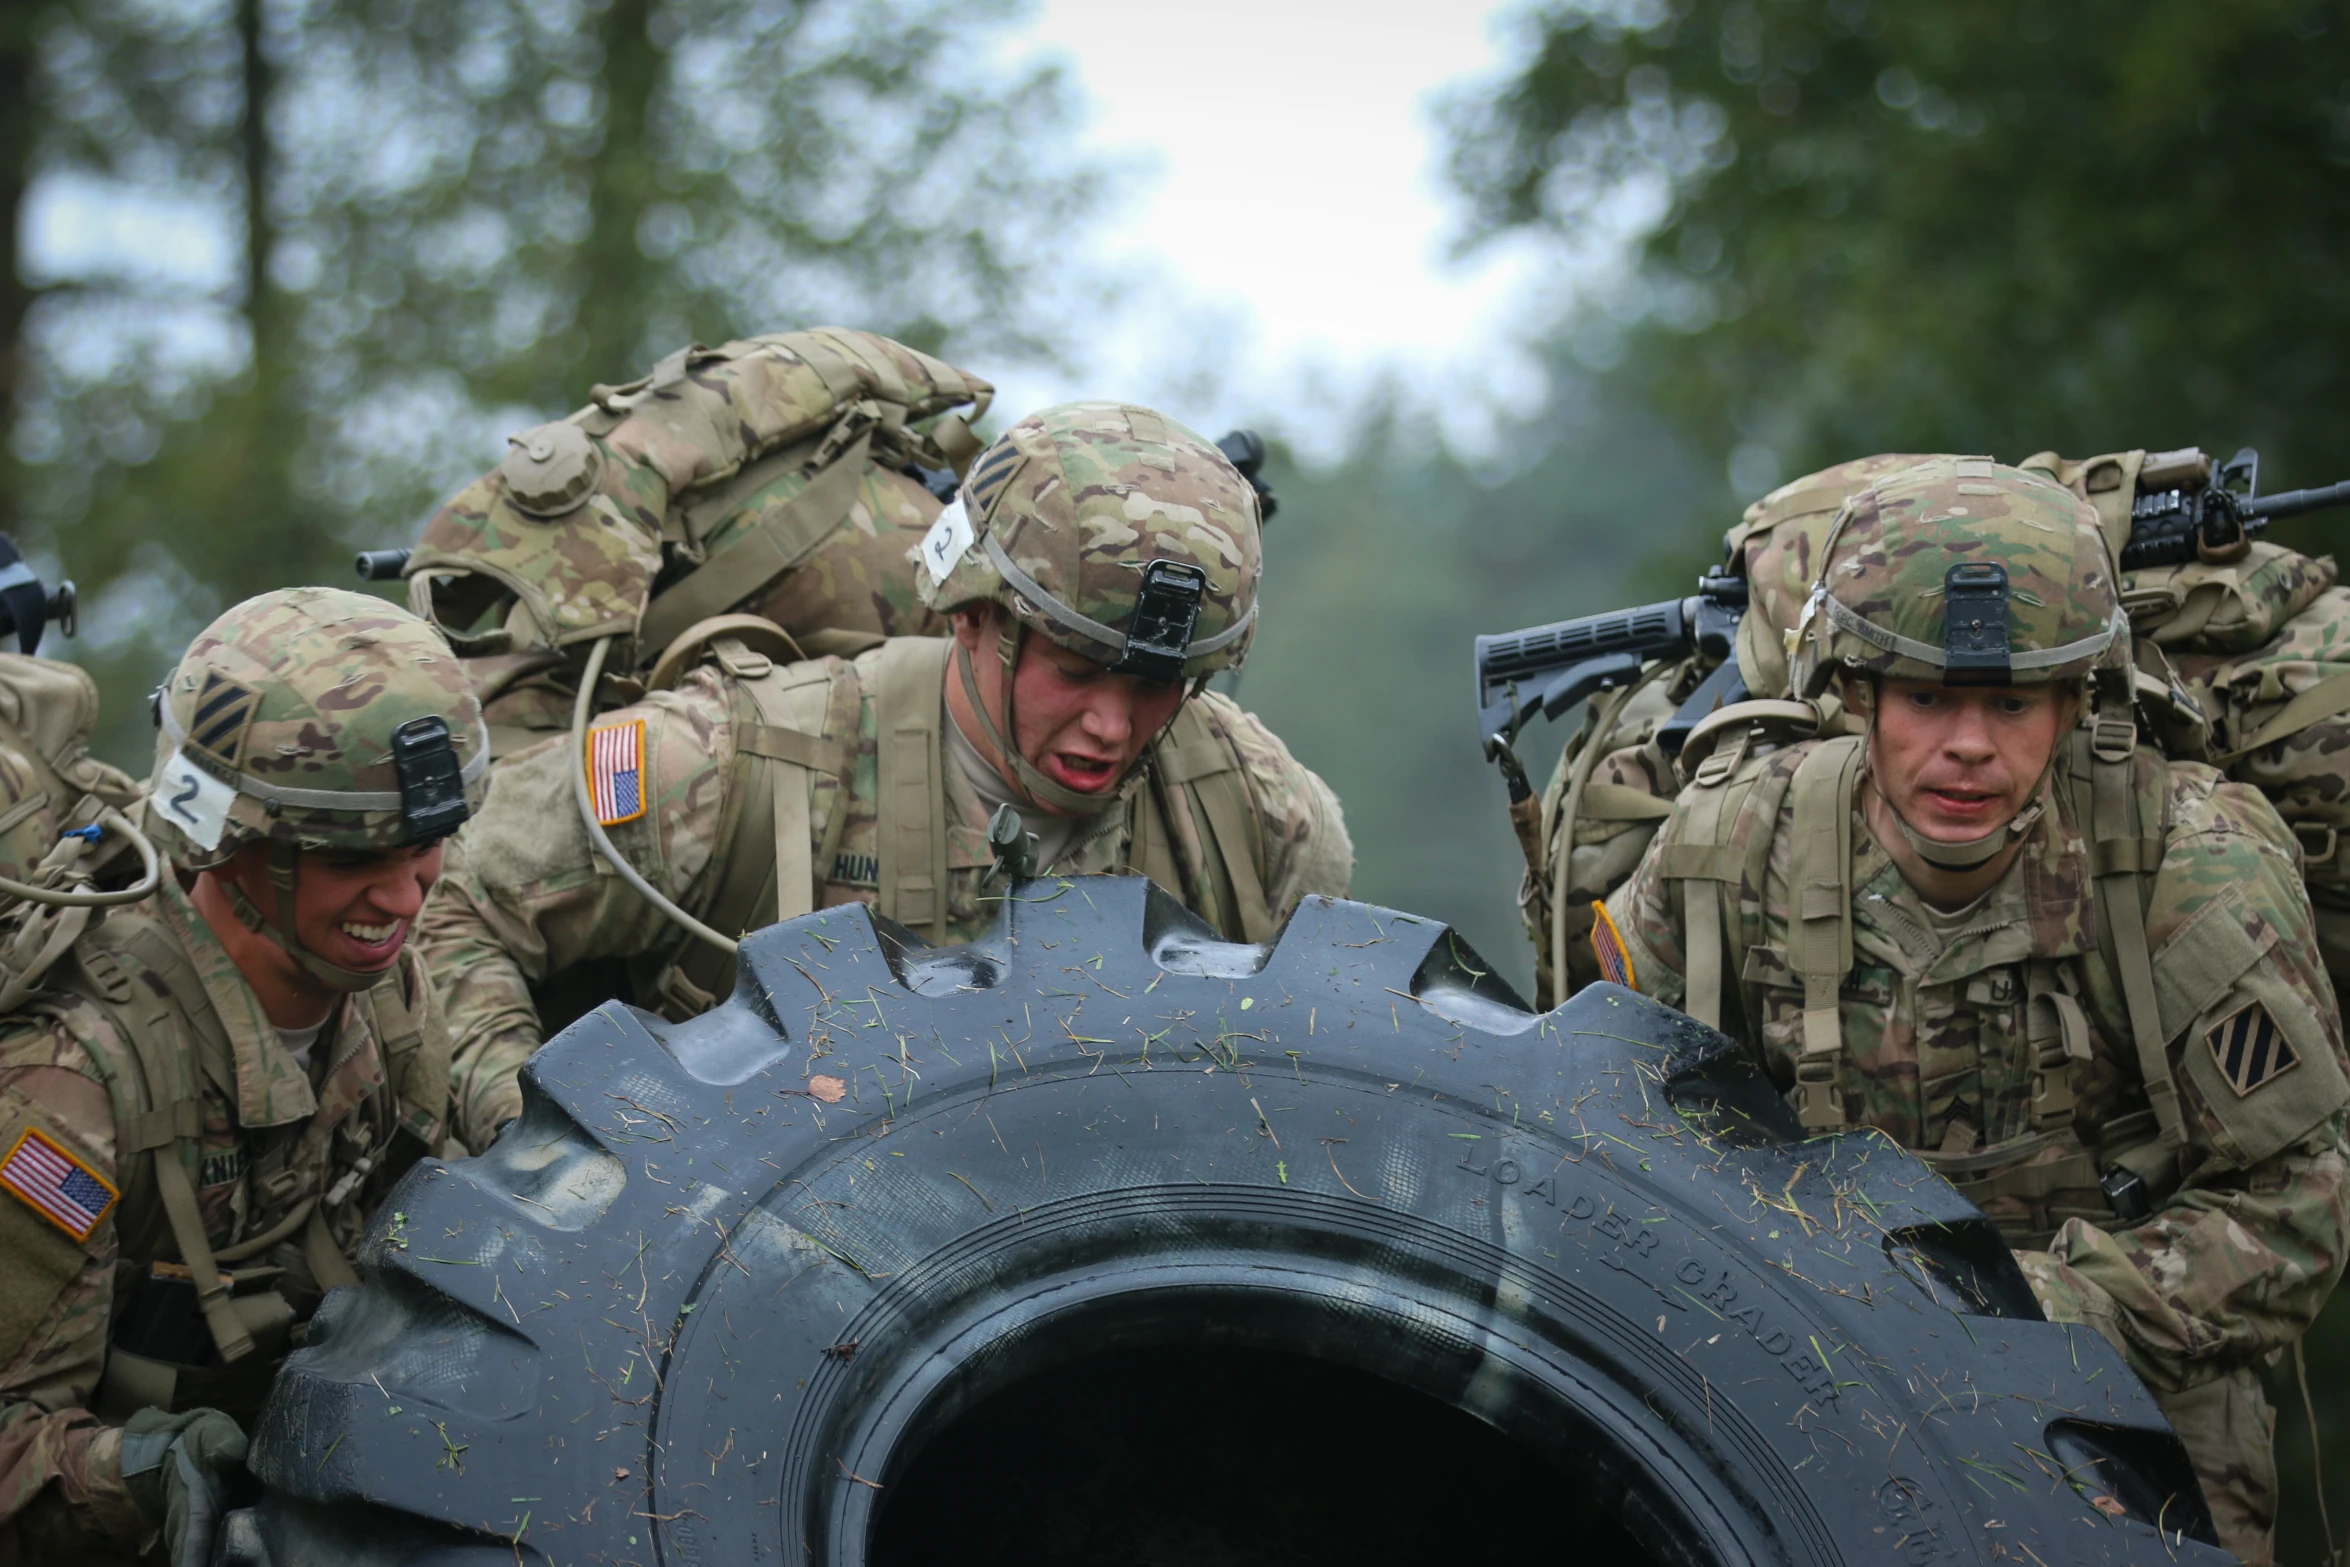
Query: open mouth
[
  {"x": 1085, "y": 774},
  {"x": 372, "y": 945}
]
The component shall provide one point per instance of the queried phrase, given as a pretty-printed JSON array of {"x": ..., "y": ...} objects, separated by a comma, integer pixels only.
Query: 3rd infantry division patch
[{"x": 2249, "y": 1049}]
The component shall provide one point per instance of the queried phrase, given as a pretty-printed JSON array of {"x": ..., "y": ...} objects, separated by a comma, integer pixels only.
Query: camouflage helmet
[
  {"x": 1965, "y": 572},
  {"x": 314, "y": 718},
  {"x": 1113, "y": 531}
]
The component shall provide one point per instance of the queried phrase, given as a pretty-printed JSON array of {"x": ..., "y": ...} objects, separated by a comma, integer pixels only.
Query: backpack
[
  {"x": 784, "y": 475},
  {"x": 2243, "y": 663}
]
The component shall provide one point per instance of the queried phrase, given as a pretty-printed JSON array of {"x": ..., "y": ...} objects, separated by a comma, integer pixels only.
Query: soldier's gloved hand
[{"x": 177, "y": 1468}]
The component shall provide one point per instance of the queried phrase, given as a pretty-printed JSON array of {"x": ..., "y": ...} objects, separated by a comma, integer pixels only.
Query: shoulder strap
[
  {"x": 2124, "y": 857},
  {"x": 766, "y": 860},
  {"x": 1697, "y": 855},
  {"x": 1820, "y": 923},
  {"x": 2329, "y": 698},
  {"x": 156, "y": 1110},
  {"x": 1201, "y": 767},
  {"x": 774, "y": 545},
  {"x": 416, "y": 1050},
  {"x": 910, "y": 827}
]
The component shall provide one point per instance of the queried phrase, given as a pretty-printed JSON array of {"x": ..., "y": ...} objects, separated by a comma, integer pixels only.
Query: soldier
[
  {"x": 201, "y": 1110},
  {"x": 1098, "y": 565},
  {"x": 2080, "y": 980}
]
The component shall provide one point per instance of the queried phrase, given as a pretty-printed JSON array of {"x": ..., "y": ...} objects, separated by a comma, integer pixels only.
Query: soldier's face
[
  {"x": 1078, "y": 724},
  {"x": 1959, "y": 762},
  {"x": 352, "y": 908}
]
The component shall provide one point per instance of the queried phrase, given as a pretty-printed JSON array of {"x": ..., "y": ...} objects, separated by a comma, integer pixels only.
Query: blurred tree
[
  {"x": 1997, "y": 227},
  {"x": 316, "y": 254},
  {"x": 1378, "y": 571}
]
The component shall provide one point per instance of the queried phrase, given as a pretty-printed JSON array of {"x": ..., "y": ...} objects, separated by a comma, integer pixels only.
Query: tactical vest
[
  {"x": 1192, "y": 776},
  {"x": 224, "y": 1352},
  {"x": 2032, "y": 1183}
]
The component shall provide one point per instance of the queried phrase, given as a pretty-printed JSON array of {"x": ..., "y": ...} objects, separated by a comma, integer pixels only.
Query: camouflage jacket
[
  {"x": 523, "y": 898},
  {"x": 268, "y": 1139},
  {"x": 1937, "y": 1031}
]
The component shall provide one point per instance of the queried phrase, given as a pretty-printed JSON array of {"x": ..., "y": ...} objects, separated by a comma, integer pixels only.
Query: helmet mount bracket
[{"x": 1975, "y": 625}]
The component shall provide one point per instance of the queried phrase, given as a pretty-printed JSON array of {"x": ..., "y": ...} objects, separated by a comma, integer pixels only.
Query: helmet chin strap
[
  {"x": 1966, "y": 855},
  {"x": 1039, "y": 788},
  {"x": 283, "y": 858}
]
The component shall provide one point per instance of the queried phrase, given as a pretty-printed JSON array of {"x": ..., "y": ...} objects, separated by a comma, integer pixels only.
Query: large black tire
[{"x": 1329, "y": 1234}]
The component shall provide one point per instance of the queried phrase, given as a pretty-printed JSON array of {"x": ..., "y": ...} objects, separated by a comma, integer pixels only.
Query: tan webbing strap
[
  {"x": 1196, "y": 760},
  {"x": 2329, "y": 698},
  {"x": 1622, "y": 803},
  {"x": 1820, "y": 924},
  {"x": 911, "y": 831},
  {"x": 1151, "y": 847},
  {"x": 778, "y": 543},
  {"x": 2124, "y": 863},
  {"x": 187, "y": 1228},
  {"x": 416, "y": 1060},
  {"x": 328, "y": 1265},
  {"x": 2058, "y": 1033},
  {"x": 791, "y": 756},
  {"x": 1698, "y": 861}
]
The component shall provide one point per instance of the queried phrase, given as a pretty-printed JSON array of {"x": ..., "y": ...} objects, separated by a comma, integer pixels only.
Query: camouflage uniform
[
  {"x": 2010, "y": 1050},
  {"x": 1219, "y": 813},
  {"x": 222, "y": 1182}
]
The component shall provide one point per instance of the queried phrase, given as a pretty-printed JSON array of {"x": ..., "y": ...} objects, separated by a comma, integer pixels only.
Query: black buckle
[
  {"x": 1166, "y": 612},
  {"x": 432, "y": 784},
  {"x": 2127, "y": 1194},
  {"x": 1974, "y": 625}
]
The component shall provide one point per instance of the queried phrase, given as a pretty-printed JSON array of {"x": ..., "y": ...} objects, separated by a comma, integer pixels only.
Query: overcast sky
[
  {"x": 1281, "y": 215},
  {"x": 1289, "y": 212}
]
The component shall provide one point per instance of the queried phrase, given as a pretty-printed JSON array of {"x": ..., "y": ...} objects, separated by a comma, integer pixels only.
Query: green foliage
[
  {"x": 1999, "y": 227},
  {"x": 446, "y": 220}
]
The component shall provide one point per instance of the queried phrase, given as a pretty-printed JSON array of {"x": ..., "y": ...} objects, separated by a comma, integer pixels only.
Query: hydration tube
[
  {"x": 587, "y": 805},
  {"x": 109, "y": 820}
]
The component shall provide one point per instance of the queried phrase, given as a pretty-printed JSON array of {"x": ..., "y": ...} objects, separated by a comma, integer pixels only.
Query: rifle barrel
[{"x": 2292, "y": 503}]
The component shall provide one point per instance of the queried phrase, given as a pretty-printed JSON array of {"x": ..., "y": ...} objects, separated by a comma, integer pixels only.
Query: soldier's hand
[{"x": 177, "y": 1469}]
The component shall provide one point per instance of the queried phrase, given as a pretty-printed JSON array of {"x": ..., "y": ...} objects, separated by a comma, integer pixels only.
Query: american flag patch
[
  {"x": 56, "y": 1185},
  {"x": 616, "y": 772},
  {"x": 1607, "y": 944},
  {"x": 2249, "y": 1049}
]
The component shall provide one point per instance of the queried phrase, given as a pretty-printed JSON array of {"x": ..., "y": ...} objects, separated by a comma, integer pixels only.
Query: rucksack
[
  {"x": 782, "y": 476},
  {"x": 2241, "y": 663},
  {"x": 68, "y": 835}
]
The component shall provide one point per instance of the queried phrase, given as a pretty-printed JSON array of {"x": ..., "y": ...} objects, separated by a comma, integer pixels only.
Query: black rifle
[
  {"x": 2182, "y": 511},
  {"x": 1544, "y": 670},
  {"x": 27, "y": 605},
  {"x": 381, "y": 565}
]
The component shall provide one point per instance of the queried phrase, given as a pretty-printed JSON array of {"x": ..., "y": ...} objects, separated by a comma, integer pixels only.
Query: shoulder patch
[
  {"x": 49, "y": 1179},
  {"x": 616, "y": 771},
  {"x": 1607, "y": 944},
  {"x": 2249, "y": 1048}
]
